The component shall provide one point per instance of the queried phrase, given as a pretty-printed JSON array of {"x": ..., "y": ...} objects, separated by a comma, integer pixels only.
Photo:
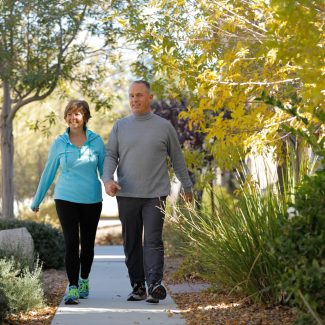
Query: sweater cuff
[{"x": 106, "y": 179}]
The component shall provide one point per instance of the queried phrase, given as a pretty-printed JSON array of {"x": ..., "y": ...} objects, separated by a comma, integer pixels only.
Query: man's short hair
[{"x": 144, "y": 82}]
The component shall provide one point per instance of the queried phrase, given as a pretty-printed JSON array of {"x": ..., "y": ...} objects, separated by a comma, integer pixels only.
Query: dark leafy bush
[
  {"x": 4, "y": 305},
  {"x": 301, "y": 250},
  {"x": 48, "y": 241}
]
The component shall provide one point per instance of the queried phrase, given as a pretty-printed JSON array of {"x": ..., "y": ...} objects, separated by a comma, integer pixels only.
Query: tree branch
[
  {"x": 76, "y": 30},
  {"x": 21, "y": 96},
  {"x": 34, "y": 98},
  {"x": 37, "y": 96}
]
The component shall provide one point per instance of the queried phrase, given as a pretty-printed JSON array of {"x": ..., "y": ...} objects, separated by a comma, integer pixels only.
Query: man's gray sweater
[{"x": 138, "y": 147}]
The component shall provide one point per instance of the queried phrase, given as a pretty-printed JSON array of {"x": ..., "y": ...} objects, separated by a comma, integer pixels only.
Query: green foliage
[
  {"x": 4, "y": 305},
  {"x": 301, "y": 249},
  {"x": 21, "y": 286},
  {"x": 38, "y": 48},
  {"x": 18, "y": 255},
  {"x": 48, "y": 242},
  {"x": 221, "y": 55},
  {"x": 311, "y": 126}
]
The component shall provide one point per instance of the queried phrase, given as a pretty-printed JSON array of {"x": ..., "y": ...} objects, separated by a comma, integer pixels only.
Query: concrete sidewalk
[{"x": 109, "y": 287}]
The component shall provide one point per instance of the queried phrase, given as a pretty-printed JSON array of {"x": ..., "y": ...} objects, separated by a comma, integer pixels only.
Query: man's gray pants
[{"x": 144, "y": 260}]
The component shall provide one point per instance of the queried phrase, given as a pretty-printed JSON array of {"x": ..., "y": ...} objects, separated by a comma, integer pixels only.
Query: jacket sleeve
[
  {"x": 101, "y": 156},
  {"x": 112, "y": 156},
  {"x": 48, "y": 175},
  {"x": 177, "y": 159}
]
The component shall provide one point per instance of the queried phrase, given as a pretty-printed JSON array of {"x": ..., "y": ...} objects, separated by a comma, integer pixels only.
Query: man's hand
[
  {"x": 111, "y": 188},
  {"x": 188, "y": 197}
]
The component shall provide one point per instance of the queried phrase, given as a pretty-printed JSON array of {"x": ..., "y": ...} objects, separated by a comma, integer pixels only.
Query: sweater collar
[{"x": 143, "y": 117}]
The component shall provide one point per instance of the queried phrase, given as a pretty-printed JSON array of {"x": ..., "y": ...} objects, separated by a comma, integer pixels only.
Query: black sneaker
[
  {"x": 157, "y": 291},
  {"x": 151, "y": 300},
  {"x": 138, "y": 293}
]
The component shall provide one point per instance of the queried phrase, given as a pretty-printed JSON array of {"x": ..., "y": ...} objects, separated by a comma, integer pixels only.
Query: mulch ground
[
  {"x": 220, "y": 308},
  {"x": 214, "y": 308}
]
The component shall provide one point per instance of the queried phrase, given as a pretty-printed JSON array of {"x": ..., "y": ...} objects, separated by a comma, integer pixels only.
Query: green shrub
[
  {"x": 18, "y": 255},
  {"x": 48, "y": 242},
  {"x": 301, "y": 250},
  {"x": 21, "y": 286},
  {"x": 4, "y": 305}
]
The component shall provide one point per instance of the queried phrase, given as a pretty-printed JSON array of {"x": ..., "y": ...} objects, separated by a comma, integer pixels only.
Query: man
[{"x": 138, "y": 147}]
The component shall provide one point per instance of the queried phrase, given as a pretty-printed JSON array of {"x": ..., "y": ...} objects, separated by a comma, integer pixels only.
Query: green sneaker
[
  {"x": 72, "y": 298},
  {"x": 83, "y": 288}
]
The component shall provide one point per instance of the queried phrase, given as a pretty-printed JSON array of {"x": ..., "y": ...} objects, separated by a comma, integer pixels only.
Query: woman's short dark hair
[{"x": 81, "y": 105}]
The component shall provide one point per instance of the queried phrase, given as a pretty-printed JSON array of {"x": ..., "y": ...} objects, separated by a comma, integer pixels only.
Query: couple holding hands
[{"x": 137, "y": 149}]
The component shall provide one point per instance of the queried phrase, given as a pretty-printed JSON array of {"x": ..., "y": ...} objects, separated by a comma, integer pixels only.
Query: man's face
[{"x": 139, "y": 98}]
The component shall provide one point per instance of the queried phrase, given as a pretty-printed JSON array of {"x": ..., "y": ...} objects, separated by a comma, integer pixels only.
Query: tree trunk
[{"x": 7, "y": 155}]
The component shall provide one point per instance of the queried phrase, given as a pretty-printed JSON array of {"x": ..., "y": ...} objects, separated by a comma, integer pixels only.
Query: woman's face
[{"x": 75, "y": 119}]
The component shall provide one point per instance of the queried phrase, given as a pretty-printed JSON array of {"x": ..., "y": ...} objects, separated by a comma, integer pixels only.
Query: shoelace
[
  {"x": 73, "y": 292},
  {"x": 83, "y": 286}
]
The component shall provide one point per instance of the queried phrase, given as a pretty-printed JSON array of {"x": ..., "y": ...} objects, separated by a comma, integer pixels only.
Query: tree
[
  {"x": 41, "y": 45},
  {"x": 223, "y": 55}
]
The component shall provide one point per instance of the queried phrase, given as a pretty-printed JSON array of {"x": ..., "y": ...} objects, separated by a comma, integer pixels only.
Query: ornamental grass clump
[{"x": 235, "y": 243}]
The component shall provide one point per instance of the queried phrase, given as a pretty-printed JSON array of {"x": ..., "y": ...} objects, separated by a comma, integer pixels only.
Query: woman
[{"x": 79, "y": 153}]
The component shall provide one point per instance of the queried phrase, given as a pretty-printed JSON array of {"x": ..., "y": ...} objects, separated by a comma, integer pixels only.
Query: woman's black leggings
[{"x": 75, "y": 218}]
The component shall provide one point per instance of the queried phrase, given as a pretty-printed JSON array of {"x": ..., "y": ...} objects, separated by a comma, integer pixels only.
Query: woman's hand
[{"x": 36, "y": 209}]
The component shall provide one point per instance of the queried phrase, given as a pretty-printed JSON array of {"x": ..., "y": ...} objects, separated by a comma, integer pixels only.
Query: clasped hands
[{"x": 111, "y": 188}]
